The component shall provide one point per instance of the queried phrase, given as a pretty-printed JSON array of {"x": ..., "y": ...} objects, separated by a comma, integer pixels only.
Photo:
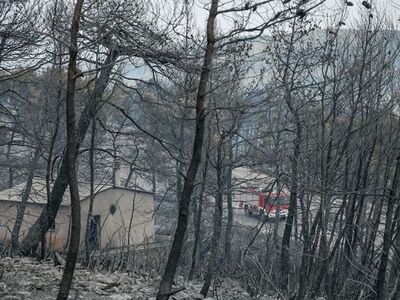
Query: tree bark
[
  {"x": 91, "y": 200},
  {"x": 197, "y": 221},
  {"x": 24, "y": 201},
  {"x": 179, "y": 164},
  {"x": 285, "y": 257},
  {"x": 212, "y": 263},
  {"x": 74, "y": 241},
  {"x": 176, "y": 248},
  {"x": 10, "y": 169},
  {"x": 228, "y": 231}
]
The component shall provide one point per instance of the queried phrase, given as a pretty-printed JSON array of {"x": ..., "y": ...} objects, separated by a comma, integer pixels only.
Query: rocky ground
[{"x": 26, "y": 278}]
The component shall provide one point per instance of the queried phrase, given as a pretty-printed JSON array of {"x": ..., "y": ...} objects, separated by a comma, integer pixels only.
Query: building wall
[
  {"x": 55, "y": 238},
  {"x": 115, "y": 226}
]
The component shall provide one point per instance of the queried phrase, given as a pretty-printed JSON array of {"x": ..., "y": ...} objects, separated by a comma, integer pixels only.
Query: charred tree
[
  {"x": 179, "y": 236},
  {"x": 197, "y": 220},
  {"x": 229, "y": 202},
  {"x": 212, "y": 263},
  {"x": 91, "y": 200},
  {"x": 74, "y": 241},
  {"x": 24, "y": 201}
]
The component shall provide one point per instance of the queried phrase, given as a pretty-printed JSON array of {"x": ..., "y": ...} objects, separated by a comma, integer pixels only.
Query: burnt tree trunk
[
  {"x": 24, "y": 201},
  {"x": 10, "y": 169},
  {"x": 213, "y": 260},
  {"x": 197, "y": 221},
  {"x": 285, "y": 257},
  {"x": 180, "y": 164},
  {"x": 228, "y": 232},
  {"x": 73, "y": 249},
  {"x": 183, "y": 215},
  {"x": 91, "y": 200}
]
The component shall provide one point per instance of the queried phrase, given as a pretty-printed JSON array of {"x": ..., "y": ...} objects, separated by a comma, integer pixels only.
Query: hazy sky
[{"x": 391, "y": 8}]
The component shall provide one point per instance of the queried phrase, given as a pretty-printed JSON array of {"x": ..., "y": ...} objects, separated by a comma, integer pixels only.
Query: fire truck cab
[{"x": 264, "y": 204}]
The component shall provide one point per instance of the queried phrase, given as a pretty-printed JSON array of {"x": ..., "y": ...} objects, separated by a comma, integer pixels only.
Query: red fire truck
[{"x": 264, "y": 204}]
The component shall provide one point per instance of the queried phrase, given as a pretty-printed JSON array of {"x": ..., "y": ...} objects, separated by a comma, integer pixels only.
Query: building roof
[{"x": 38, "y": 193}]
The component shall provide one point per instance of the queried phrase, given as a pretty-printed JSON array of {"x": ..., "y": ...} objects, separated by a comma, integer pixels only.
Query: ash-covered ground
[{"x": 26, "y": 278}]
